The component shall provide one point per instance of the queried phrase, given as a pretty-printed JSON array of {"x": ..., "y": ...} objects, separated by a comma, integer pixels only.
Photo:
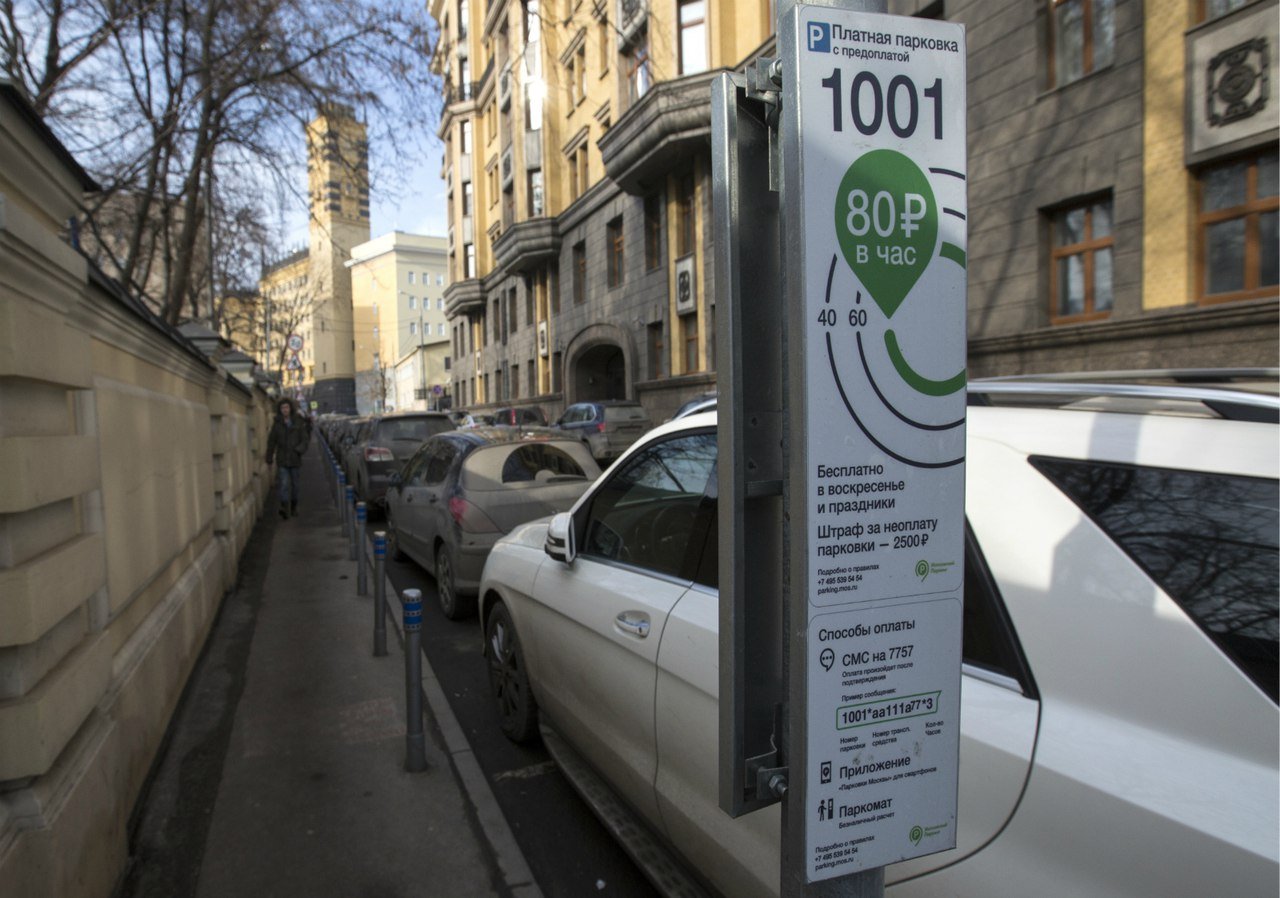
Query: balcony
[
  {"x": 671, "y": 121},
  {"x": 462, "y": 297},
  {"x": 527, "y": 244}
]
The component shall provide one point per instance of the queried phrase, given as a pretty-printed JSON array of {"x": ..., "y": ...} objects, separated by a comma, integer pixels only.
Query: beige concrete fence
[{"x": 131, "y": 475}]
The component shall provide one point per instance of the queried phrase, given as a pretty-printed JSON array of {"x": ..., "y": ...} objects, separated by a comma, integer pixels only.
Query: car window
[
  {"x": 646, "y": 514},
  {"x": 989, "y": 639},
  {"x": 1211, "y": 541},
  {"x": 624, "y": 413},
  {"x": 414, "y": 429},
  {"x": 490, "y": 467},
  {"x": 416, "y": 467},
  {"x": 437, "y": 468}
]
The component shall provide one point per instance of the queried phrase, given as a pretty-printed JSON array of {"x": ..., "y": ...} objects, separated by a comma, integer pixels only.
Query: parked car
[
  {"x": 464, "y": 489},
  {"x": 608, "y": 427},
  {"x": 520, "y": 416},
  {"x": 381, "y": 447},
  {"x": 463, "y": 419},
  {"x": 703, "y": 402},
  {"x": 1119, "y": 725}
]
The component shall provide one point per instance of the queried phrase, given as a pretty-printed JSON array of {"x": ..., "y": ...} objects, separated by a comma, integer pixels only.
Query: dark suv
[
  {"x": 385, "y": 444},
  {"x": 607, "y": 426}
]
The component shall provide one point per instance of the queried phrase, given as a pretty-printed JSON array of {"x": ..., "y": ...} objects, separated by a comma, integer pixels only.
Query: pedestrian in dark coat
[{"x": 286, "y": 444}]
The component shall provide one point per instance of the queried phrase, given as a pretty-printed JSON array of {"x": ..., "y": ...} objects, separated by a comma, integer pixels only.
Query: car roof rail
[{"x": 1237, "y": 394}]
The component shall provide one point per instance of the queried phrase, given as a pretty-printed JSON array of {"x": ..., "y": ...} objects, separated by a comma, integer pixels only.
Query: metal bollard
[
  {"x": 349, "y": 531},
  {"x": 362, "y": 576},
  {"x": 414, "y": 741},
  {"x": 379, "y": 593}
]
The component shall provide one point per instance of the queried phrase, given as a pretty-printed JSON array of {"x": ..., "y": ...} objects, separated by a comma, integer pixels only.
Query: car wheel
[
  {"x": 453, "y": 605},
  {"x": 517, "y": 710}
]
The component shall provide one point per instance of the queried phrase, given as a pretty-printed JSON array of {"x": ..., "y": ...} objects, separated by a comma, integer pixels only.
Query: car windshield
[
  {"x": 501, "y": 465},
  {"x": 415, "y": 429},
  {"x": 624, "y": 413}
]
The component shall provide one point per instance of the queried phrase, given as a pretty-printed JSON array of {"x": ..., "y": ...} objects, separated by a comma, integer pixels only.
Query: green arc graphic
[{"x": 917, "y": 381}]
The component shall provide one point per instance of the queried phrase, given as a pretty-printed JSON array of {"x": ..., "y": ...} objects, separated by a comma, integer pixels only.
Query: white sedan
[{"x": 1119, "y": 718}]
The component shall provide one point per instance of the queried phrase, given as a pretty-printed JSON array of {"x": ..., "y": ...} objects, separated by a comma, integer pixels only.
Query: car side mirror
[{"x": 560, "y": 543}]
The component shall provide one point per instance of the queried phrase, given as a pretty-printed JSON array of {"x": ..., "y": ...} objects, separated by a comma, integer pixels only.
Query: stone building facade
[{"x": 1117, "y": 219}]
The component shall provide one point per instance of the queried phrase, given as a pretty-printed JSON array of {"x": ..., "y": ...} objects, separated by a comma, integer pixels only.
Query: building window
[
  {"x": 515, "y": 381},
  {"x": 535, "y": 194},
  {"x": 1081, "y": 285},
  {"x": 464, "y": 132},
  {"x": 557, "y": 366},
  {"x": 656, "y": 350},
  {"x": 614, "y": 247},
  {"x": 1084, "y": 38},
  {"x": 690, "y": 325},
  {"x": 440, "y": 330},
  {"x": 531, "y": 378},
  {"x": 686, "y": 197},
  {"x": 464, "y": 79},
  {"x": 468, "y": 198},
  {"x": 413, "y": 328},
  {"x": 578, "y": 171},
  {"x": 469, "y": 260},
  {"x": 604, "y": 33},
  {"x": 579, "y": 273},
  {"x": 439, "y": 280},
  {"x": 1237, "y": 239},
  {"x": 637, "y": 69},
  {"x": 413, "y": 302},
  {"x": 440, "y": 304},
  {"x": 528, "y": 301},
  {"x": 580, "y": 72},
  {"x": 411, "y": 277},
  {"x": 1215, "y": 8},
  {"x": 693, "y": 36},
  {"x": 498, "y": 320},
  {"x": 652, "y": 231},
  {"x": 464, "y": 17},
  {"x": 513, "y": 312}
]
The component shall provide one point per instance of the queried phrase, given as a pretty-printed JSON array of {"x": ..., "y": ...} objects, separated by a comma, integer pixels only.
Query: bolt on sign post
[
  {"x": 858, "y": 129},
  {"x": 876, "y": 242}
]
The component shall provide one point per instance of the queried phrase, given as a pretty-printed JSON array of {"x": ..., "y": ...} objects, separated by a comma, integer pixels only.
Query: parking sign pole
[{"x": 848, "y": 152}]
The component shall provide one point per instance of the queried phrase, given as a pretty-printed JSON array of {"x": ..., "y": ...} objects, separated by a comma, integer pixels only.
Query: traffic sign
[
  {"x": 880, "y": 112},
  {"x": 294, "y": 363},
  {"x": 294, "y": 343}
]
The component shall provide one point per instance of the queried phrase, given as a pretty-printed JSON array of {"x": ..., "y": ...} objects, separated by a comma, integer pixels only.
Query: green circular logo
[
  {"x": 922, "y": 569},
  {"x": 916, "y": 835}
]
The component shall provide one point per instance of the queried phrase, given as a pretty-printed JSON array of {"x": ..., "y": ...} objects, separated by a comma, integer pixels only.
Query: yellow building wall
[{"x": 1168, "y": 202}]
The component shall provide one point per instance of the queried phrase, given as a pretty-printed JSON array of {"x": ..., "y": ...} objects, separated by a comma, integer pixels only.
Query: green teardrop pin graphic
[{"x": 887, "y": 225}]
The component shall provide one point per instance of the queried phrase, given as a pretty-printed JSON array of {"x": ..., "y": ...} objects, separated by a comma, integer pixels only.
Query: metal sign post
[{"x": 842, "y": 466}]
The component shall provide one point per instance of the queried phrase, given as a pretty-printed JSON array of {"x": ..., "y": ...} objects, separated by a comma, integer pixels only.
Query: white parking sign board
[{"x": 882, "y": 153}]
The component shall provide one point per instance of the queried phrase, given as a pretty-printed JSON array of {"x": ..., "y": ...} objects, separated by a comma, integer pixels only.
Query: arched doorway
[{"x": 600, "y": 373}]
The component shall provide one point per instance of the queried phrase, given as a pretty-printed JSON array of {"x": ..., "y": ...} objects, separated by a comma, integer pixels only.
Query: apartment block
[
  {"x": 402, "y": 353},
  {"x": 1122, "y": 188}
]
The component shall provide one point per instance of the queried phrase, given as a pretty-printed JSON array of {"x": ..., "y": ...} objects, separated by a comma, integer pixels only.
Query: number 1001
[{"x": 899, "y": 106}]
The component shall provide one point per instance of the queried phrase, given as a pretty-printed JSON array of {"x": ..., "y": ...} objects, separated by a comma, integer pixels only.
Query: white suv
[{"x": 1119, "y": 726}]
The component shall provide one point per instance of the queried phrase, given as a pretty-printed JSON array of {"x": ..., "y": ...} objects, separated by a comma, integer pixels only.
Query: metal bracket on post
[
  {"x": 753, "y": 400},
  {"x": 764, "y": 86}
]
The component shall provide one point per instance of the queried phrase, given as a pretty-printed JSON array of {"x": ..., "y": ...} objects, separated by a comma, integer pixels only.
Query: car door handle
[{"x": 634, "y": 622}]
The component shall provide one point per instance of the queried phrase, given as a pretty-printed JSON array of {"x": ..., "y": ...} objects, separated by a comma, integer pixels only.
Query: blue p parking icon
[{"x": 819, "y": 37}]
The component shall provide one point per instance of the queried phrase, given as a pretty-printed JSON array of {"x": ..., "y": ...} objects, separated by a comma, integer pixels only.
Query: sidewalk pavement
[{"x": 284, "y": 773}]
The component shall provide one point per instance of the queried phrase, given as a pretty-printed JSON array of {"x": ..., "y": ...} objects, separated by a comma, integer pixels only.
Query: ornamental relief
[{"x": 1237, "y": 85}]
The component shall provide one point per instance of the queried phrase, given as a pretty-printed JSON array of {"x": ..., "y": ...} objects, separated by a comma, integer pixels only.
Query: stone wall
[{"x": 131, "y": 475}]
